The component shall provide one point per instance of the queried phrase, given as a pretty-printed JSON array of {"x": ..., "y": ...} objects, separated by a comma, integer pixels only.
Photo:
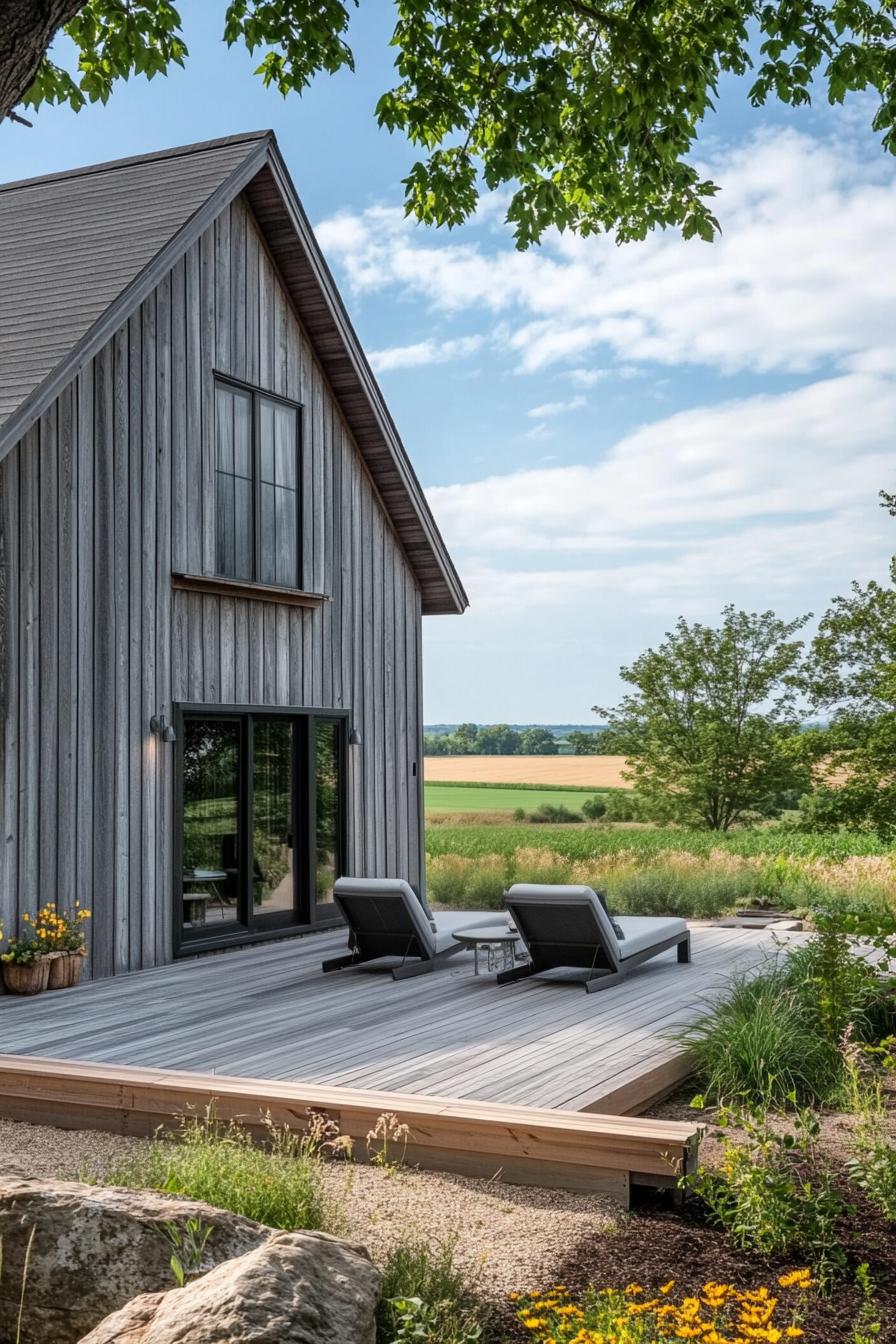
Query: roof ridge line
[{"x": 111, "y": 165}]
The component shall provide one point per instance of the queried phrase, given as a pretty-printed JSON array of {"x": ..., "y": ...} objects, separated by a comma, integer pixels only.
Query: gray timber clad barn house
[{"x": 214, "y": 560}]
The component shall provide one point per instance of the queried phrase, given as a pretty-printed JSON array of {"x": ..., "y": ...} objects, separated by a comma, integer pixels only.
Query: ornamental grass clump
[
  {"x": 280, "y": 1183},
  {"x": 718, "y": 1314},
  {"x": 776, "y": 1039}
]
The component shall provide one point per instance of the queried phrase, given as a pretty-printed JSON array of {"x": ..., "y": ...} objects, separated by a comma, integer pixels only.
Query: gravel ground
[{"x": 511, "y": 1237}]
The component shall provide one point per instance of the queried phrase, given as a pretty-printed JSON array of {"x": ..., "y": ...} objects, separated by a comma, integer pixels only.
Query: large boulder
[
  {"x": 298, "y": 1288},
  {"x": 93, "y": 1250}
]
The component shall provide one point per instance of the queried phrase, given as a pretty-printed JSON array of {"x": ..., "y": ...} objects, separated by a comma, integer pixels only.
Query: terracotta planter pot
[
  {"x": 26, "y": 979},
  {"x": 65, "y": 970}
]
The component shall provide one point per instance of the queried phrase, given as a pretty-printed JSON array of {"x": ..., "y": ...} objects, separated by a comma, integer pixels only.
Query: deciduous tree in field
[
  {"x": 586, "y": 109},
  {"x": 851, "y": 675},
  {"x": 538, "y": 742},
  {"x": 585, "y": 744},
  {"x": 498, "y": 739},
  {"x": 711, "y": 724}
]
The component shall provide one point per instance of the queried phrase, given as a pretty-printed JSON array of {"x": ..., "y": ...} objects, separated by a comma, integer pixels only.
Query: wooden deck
[{"x": 267, "y": 1012}]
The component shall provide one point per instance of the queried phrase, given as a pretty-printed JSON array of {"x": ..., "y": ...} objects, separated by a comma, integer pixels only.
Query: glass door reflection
[
  {"x": 212, "y": 808},
  {"x": 326, "y": 764},
  {"x": 273, "y": 820}
]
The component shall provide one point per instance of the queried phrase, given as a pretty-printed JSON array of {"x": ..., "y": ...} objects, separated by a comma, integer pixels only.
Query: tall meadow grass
[{"x": 643, "y": 880}]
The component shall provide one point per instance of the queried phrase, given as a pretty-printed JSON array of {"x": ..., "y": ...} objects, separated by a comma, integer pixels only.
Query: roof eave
[{"x": 454, "y": 600}]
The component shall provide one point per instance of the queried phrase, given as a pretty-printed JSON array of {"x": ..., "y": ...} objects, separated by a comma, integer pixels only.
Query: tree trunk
[{"x": 27, "y": 27}]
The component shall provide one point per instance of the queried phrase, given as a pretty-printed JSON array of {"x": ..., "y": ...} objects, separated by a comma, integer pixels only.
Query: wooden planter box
[
  {"x": 65, "y": 970},
  {"x": 26, "y": 979}
]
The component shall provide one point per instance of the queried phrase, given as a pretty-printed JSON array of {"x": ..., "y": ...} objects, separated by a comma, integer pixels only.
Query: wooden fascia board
[{"x": 368, "y": 384}]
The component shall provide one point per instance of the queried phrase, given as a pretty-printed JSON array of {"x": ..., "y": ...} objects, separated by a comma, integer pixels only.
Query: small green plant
[
  {"x": 388, "y": 1133},
  {"x": 594, "y": 808},
  {"x": 872, "y": 1162},
  {"x": 771, "y": 1193},
  {"x": 188, "y": 1242},
  {"x": 427, "y": 1297},
  {"x": 867, "y": 1326},
  {"x": 280, "y": 1184},
  {"x": 414, "y": 1319}
]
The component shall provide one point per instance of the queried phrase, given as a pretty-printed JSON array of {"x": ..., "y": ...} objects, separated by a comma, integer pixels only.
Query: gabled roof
[{"x": 79, "y": 251}]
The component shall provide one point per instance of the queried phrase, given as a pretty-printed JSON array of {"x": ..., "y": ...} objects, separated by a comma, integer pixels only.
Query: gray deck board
[{"x": 268, "y": 1012}]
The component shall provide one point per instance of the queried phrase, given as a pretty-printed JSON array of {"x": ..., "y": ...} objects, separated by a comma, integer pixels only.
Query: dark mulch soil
[{"x": 659, "y": 1242}]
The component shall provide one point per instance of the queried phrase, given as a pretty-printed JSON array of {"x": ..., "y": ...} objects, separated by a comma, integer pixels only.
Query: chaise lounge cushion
[
  {"x": 641, "y": 931},
  {"x": 622, "y": 936},
  {"x": 434, "y": 931}
]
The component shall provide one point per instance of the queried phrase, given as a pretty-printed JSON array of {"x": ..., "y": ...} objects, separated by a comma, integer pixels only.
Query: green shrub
[
  {"x": 629, "y": 805},
  {"x": 594, "y": 808},
  {"x": 553, "y": 815},
  {"x": 281, "y": 1184},
  {"x": 782, "y": 1031},
  {"x": 770, "y": 1192},
  {"x": 759, "y": 1046},
  {"x": 427, "y": 1298},
  {"x": 842, "y": 990}
]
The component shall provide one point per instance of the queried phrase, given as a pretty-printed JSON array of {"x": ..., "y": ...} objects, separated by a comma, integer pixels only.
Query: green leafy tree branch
[{"x": 586, "y": 113}]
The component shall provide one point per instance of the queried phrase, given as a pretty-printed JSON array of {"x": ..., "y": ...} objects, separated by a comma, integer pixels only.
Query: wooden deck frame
[{"x": 526, "y": 1145}]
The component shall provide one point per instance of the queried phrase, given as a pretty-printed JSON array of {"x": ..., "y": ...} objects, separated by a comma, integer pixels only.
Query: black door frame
[{"x": 189, "y": 942}]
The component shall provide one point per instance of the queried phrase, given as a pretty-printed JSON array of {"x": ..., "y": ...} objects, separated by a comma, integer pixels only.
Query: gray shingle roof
[
  {"x": 79, "y": 250},
  {"x": 71, "y": 243}
]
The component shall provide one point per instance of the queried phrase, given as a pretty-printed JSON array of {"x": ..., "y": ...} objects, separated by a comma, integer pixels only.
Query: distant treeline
[{"x": 500, "y": 739}]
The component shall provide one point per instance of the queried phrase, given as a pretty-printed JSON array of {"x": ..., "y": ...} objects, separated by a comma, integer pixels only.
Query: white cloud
[
  {"x": 802, "y": 274},
  {"x": 587, "y": 377},
  {"x": 423, "y": 352},
  {"x": 539, "y": 432},
  {"x": 757, "y": 493},
  {"x": 548, "y": 409}
]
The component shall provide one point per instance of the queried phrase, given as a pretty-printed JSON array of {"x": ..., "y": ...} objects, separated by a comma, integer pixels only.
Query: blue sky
[{"x": 610, "y": 437}]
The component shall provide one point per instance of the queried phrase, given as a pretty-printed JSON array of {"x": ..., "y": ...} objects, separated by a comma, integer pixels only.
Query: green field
[
  {"x": 501, "y": 798},
  {"x": 589, "y": 842}
]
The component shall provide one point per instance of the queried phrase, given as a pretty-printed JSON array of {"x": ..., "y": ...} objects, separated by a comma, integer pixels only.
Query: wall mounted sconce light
[
  {"x": 354, "y": 738},
  {"x": 159, "y": 724}
]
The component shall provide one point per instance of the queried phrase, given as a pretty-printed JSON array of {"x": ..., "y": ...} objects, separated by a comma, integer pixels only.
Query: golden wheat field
[{"x": 593, "y": 772}]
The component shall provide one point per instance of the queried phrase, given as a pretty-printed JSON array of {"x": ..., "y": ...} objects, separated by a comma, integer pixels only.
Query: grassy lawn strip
[
  {"x": 500, "y": 798},
  {"x": 588, "y": 789}
]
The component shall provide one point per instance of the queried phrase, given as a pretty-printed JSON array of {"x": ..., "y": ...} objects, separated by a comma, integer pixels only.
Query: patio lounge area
[{"x": 268, "y": 1012}]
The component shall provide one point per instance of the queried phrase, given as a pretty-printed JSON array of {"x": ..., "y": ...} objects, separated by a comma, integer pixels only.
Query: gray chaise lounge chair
[
  {"x": 569, "y": 927},
  {"x": 386, "y": 918}
]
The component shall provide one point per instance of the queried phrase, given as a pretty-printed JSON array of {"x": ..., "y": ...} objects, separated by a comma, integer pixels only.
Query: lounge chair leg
[
  {"x": 684, "y": 949},
  {"x": 518, "y": 973},
  {"x": 603, "y": 981},
  {"x": 413, "y": 968},
  {"x": 338, "y": 963}
]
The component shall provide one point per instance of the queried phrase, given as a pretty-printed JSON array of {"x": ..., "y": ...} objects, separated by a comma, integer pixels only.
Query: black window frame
[
  {"x": 257, "y": 395},
  {"x": 306, "y": 915}
]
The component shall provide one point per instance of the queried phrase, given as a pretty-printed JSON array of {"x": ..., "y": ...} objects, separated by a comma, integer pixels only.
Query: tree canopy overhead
[{"x": 585, "y": 110}]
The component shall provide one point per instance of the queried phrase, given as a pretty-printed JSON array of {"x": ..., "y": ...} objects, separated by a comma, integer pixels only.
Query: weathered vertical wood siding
[{"x": 106, "y": 496}]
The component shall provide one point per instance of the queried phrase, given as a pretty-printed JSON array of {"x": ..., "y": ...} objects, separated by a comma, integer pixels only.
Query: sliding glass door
[{"x": 261, "y": 822}]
